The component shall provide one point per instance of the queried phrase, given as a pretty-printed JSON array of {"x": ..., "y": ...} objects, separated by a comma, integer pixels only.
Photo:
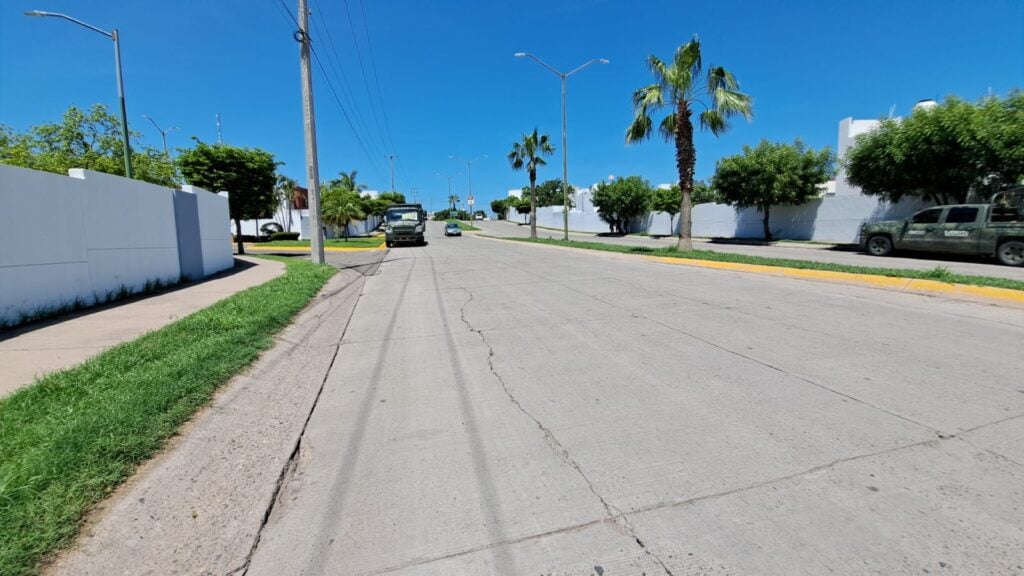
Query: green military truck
[
  {"x": 994, "y": 229},
  {"x": 404, "y": 223}
]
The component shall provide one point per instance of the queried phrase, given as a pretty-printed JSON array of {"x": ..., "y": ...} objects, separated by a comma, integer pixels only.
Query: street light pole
[
  {"x": 163, "y": 133},
  {"x": 565, "y": 132},
  {"x": 469, "y": 171},
  {"x": 116, "y": 37}
]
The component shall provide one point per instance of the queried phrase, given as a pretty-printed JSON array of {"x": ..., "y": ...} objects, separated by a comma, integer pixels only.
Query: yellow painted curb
[
  {"x": 914, "y": 285},
  {"x": 257, "y": 248}
]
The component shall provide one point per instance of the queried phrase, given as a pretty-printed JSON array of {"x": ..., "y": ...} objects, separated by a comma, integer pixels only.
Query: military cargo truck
[
  {"x": 404, "y": 223},
  {"x": 994, "y": 229}
]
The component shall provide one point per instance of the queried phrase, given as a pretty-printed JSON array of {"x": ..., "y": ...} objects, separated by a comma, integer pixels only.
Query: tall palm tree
[
  {"x": 529, "y": 154},
  {"x": 453, "y": 200},
  {"x": 681, "y": 85},
  {"x": 284, "y": 194},
  {"x": 340, "y": 207}
]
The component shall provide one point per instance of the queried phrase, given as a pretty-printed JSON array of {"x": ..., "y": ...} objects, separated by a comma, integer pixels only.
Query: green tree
[
  {"x": 248, "y": 175},
  {"x": 619, "y": 201},
  {"x": 529, "y": 154},
  {"x": 773, "y": 174},
  {"x": 944, "y": 153},
  {"x": 453, "y": 200},
  {"x": 680, "y": 86},
  {"x": 347, "y": 181},
  {"x": 392, "y": 197},
  {"x": 89, "y": 140},
  {"x": 341, "y": 207},
  {"x": 499, "y": 207},
  {"x": 549, "y": 193}
]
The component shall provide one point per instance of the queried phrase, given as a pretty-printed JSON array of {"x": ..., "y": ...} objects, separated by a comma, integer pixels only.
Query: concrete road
[
  {"x": 819, "y": 252},
  {"x": 497, "y": 408}
]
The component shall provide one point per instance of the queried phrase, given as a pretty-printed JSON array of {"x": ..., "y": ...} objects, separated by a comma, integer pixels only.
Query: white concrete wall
[
  {"x": 214, "y": 237},
  {"x": 80, "y": 238}
]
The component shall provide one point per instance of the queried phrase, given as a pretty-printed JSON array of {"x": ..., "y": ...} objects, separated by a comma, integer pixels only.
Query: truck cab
[
  {"x": 994, "y": 229},
  {"x": 404, "y": 223}
]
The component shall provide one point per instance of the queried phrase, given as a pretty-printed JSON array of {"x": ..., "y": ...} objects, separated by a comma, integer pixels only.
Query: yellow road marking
[{"x": 258, "y": 248}]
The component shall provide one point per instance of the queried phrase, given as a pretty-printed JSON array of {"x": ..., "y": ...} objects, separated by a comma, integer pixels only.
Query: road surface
[
  {"x": 497, "y": 408},
  {"x": 958, "y": 264}
]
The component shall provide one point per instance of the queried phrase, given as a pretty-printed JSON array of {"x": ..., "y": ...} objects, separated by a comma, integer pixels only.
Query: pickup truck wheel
[
  {"x": 1011, "y": 253},
  {"x": 879, "y": 246}
]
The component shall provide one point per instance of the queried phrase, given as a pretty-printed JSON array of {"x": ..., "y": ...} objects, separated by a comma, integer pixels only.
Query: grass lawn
[
  {"x": 464, "y": 226},
  {"x": 68, "y": 440},
  {"x": 938, "y": 273},
  {"x": 360, "y": 242}
]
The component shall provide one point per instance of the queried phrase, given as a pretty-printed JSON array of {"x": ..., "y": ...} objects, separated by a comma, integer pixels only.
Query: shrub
[{"x": 284, "y": 236}]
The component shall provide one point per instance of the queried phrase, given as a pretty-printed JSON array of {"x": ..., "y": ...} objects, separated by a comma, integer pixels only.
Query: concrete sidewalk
[{"x": 40, "y": 348}]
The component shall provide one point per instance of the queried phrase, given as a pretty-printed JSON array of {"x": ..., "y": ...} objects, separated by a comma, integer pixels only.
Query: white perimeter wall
[
  {"x": 83, "y": 237},
  {"x": 830, "y": 219},
  {"x": 213, "y": 235}
]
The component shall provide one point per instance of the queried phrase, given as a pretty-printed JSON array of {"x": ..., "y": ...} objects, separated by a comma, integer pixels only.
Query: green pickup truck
[
  {"x": 994, "y": 229},
  {"x": 404, "y": 223}
]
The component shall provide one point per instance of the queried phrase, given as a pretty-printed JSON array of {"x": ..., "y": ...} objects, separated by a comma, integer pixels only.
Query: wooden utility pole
[
  {"x": 316, "y": 231},
  {"x": 391, "y": 158}
]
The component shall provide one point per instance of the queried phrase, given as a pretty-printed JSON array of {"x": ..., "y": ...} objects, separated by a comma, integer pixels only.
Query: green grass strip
[
  {"x": 939, "y": 273},
  {"x": 360, "y": 242},
  {"x": 464, "y": 226},
  {"x": 69, "y": 439}
]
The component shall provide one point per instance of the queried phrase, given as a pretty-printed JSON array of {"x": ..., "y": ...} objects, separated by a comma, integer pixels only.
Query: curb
[
  {"x": 256, "y": 249},
  {"x": 891, "y": 283}
]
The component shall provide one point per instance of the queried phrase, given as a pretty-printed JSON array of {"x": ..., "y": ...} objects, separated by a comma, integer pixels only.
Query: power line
[
  {"x": 362, "y": 69},
  {"x": 334, "y": 59}
]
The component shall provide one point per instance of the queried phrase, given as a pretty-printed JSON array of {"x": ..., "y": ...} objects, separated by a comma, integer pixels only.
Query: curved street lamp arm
[
  {"x": 70, "y": 19},
  {"x": 594, "y": 61}
]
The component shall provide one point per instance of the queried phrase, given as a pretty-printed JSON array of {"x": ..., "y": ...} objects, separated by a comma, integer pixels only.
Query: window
[
  {"x": 930, "y": 216},
  {"x": 961, "y": 215}
]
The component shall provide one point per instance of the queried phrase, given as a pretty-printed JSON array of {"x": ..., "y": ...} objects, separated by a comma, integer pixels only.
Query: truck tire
[
  {"x": 879, "y": 245},
  {"x": 1011, "y": 253}
]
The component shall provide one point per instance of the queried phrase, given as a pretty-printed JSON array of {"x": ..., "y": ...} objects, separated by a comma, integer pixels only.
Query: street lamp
[
  {"x": 565, "y": 137},
  {"x": 120, "y": 81},
  {"x": 163, "y": 133},
  {"x": 469, "y": 174}
]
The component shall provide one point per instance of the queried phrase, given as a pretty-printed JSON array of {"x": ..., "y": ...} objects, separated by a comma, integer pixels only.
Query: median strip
[
  {"x": 935, "y": 281},
  {"x": 69, "y": 439}
]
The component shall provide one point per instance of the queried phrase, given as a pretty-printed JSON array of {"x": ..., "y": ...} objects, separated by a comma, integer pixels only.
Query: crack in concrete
[
  {"x": 292, "y": 462},
  {"x": 613, "y": 515}
]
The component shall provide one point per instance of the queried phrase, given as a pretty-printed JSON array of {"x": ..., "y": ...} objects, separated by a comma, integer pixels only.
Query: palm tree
[
  {"x": 284, "y": 193},
  {"x": 347, "y": 180},
  {"x": 680, "y": 85},
  {"x": 453, "y": 200},
  {"x": 340, "y": 207},
  {"x": 529, "y": 154}
]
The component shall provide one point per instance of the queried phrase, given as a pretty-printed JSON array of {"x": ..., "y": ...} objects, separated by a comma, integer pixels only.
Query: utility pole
[
  {"x": 163, "y": 133},
  {"x": 220, "y": 140},
  {"x": 415, "y": 195},
  {"x": 316, "y": 239},
  {"x": 391, "y": 159}
]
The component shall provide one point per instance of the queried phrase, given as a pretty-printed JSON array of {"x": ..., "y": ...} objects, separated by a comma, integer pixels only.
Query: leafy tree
[
  {"x": 621, "y": 200},
  {"x": 90, "y": 140},
  {"x": 549, "y": 193},
  {"x": 522, "y": 205},
  {"x": 340, "y": 207},
  {"x": 392, "y": 197},
  {"x": 773, "y": 174},
  {"x": 944, "y": 153},
  {"x": 499, "y": 207},
  {"x": 246, "y": 173},
  {"x": 529, "y": 154},
  {"x": 679, "y": 86}
]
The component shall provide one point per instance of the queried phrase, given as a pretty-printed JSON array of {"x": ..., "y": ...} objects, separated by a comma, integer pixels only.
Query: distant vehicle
[
  {"x": 995, "y": 229},
  {"x": 452, "y": 229},
  {"x": 479, "y": 217},
  {"x": 404, "y": 223}
]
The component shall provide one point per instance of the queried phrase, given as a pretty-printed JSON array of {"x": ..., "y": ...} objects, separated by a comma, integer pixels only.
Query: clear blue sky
[{"x": 451, "y": 85}]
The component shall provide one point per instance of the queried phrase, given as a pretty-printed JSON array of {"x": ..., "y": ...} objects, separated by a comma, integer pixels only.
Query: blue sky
[{"x": 450, "y": 84}]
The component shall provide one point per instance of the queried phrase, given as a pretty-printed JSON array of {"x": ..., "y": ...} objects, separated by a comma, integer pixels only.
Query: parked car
[
  {"x": 452, "y": 229},
  {"x": 994, "y": 229}
]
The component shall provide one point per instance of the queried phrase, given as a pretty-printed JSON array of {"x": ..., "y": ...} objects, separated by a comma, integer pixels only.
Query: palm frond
[
  {"x": 649, "y": 98},
  {"x": 658, "y": 69},
  {"x": 687, "y": 63},
  {"x": 719, "y": 77},
  {"x": 667, "y": 129},
  {"x": 714, "y": 120},
  {"x": 640, "y": 129},
  {"x": 732, "y": 102}
]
